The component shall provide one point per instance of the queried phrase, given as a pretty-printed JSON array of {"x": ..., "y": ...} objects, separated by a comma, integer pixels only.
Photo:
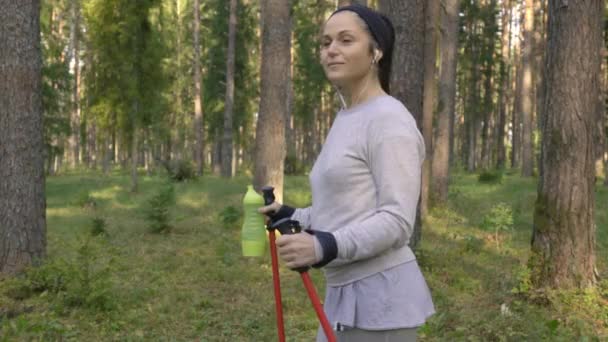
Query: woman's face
[{"x": 345, "y": 49}]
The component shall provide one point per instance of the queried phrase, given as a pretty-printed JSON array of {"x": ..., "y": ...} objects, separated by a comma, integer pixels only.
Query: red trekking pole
[{"x": 288, "y": 226}]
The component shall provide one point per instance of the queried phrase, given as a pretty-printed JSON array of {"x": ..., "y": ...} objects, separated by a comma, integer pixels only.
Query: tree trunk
[
  {"x": 563, "y": 242},
  {"x": 74, "y": 141},
  {"x": 407, "y": 81},
  {"x": 134, "y": 155},
  {"x": 227, "y": 143},
  {"x": 429, "y": 97},
  {"x": 198, "y": 104},
  {"x": 290, "y": 139},
  {"x": 22, "y": 198},
  {"x": 527, "y": 91},
  {"x": 540, "y": 10},
  {"x": 92, "y": 142},
  {"x": 342, "y": 3},
  {"x": 503, "y": 96},
  {"x": 488, "y": 103},
  {"x": 106, "y": 151},
  {"x": 516, "y": 114},
  {"x": 270, "y": 134},
  {"x": 447, "y": 97}
]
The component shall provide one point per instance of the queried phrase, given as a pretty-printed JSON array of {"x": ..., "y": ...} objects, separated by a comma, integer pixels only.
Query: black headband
[{"x": 379, "y": 26}]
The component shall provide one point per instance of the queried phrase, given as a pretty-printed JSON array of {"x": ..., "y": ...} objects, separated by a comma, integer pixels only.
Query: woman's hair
[{"x": 383, "y": 35}]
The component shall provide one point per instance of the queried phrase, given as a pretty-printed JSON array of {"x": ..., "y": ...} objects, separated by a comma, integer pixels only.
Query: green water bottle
[{"x": 253, "y": 233}]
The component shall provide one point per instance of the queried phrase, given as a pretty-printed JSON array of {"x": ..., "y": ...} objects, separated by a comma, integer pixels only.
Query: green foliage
[
  {"x": 79, "y": 281},
  {"x": 490, "y": 177},
  {"x": 178, "y": 287},
  {"x": 215, "y": 25},
  {"x": 125, "y": 85},
  {"x": 158, "y": 208},
  {"x": 500, "y": 218},
  {"x": 472, "y": 244},
  {"x": 180, "y": 170},
  {"x": 56, "y": 80},
  {"x": 309, "y": 79},
  {"x": 523, "y": 284},
  {"x": 85, "y": 200},
  {"x": 98, "y": 226},
  {"x": 293, "y": 166},
  {"x": 230, "y": 216}
]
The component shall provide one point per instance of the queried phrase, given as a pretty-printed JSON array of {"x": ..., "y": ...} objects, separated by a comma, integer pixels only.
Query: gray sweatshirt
[{"x": 365, "y": 186}]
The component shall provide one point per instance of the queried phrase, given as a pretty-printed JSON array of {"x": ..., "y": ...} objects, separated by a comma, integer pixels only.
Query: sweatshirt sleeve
[
  {"x": 394, "y": 154},
  {"x": 302, "y": 215}
]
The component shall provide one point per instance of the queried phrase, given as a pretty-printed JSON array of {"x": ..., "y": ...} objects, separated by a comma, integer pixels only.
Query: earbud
[{"x": 376, "y": 56}]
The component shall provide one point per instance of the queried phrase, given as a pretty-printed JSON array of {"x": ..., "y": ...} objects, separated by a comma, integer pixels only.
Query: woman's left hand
[{"x": 297, "y": 250}]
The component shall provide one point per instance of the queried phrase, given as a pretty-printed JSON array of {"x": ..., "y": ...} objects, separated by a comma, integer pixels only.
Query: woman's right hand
[{"x": 270, "y": 209}]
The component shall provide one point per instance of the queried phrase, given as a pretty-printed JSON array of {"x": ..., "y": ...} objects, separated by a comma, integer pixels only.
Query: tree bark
[
  {"x": 563, "y": 242},
  {"x": 503, "y": 96},
  {"x": 516, "y": 114},
  {"x": 74, "y": 141},
  {"x": 488, "y": 103},
  {"x": 22, "y": 195},
  {"x": 407, "y": 80},
  {"x": 429, "y": 97},
  {"x": 198, "y": 104},
  {"x": 447, "y": 97},
  {"x": 134, "y": 151},
  {"x": 342, "y": 3},
  {"x": 527, "y": 92},
  {"x": 270, "y": 133},
  {"x": 227, "y": 143}
]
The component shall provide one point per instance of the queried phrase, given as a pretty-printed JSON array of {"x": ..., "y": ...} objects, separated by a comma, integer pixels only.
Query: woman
[{"x": 365, "y": 186}]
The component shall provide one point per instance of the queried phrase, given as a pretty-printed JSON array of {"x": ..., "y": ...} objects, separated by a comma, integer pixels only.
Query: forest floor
[{"x": 193, "y": 284}]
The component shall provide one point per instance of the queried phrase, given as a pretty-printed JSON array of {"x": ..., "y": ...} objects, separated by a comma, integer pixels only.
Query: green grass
[{"x": 193, "y": 283}]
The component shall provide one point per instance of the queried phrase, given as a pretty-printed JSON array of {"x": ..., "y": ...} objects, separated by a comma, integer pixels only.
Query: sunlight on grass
[{"x": 109, "y": 193}]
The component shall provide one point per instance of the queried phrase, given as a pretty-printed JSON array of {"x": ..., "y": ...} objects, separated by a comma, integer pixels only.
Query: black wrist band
[{"x": 329, "y": 245}]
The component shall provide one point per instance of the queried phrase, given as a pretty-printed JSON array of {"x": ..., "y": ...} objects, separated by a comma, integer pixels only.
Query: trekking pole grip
[{"x": 268, "y": 193}]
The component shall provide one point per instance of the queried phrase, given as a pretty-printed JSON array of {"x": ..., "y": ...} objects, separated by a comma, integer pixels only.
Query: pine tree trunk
[
  {"x": 134, "y": 152},
  {"x": 289, "y": 117},
  {"x": 563, "y": 243},
  {"x": 606, "y": 161},
  {"x": 270, "y": 134},
  {"x": 198, "y": 104},
  {"x": 92, "y": 143},
  {"x": 505, "y": 66},
  {"x": 227, "y": 143},
  {"x": 22, "y": 194},
  {"x": 351, "y": 2},
  {"x": 516, "y": 115},
  {"x": 74, "y": 141},
  {"x": 106, "y": 153},
  {"x": 407, "y": 80},
  {"x": 488, "y": 104},
  {"x": 539, "y": 56},
  {"x": 429, "y": 97},
  {"x": 527, "y": 91},
  {"x": 447, "y": 97}
]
